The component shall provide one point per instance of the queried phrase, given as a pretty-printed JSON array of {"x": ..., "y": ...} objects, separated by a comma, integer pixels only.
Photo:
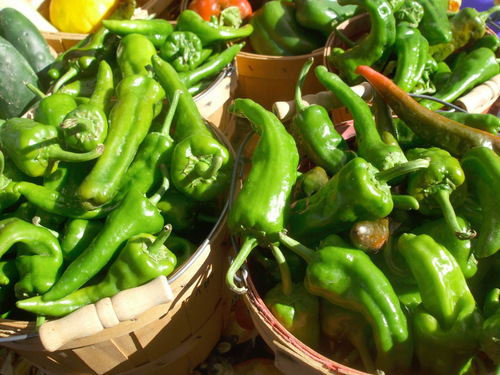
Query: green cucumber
[
  {"x": 15, "y": 73},
  {"x": 17, "y": 29}
]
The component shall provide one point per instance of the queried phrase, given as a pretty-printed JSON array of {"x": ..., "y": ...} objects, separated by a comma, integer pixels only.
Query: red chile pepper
[{"x": 436, "y": 129}]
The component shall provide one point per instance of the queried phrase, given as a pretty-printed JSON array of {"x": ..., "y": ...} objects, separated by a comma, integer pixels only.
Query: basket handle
[
  {"x": 105, "y": 313},
  {"x": 285, "y": 110},
  {"x": 481, "y": 97}
]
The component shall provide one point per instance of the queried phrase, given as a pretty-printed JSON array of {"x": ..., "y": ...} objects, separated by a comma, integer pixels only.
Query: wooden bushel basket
[{"x": 171, "y": 338}]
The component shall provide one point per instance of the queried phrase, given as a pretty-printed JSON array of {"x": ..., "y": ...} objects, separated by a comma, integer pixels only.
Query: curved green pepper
[
  {"x": 179, "y": 210},
  {"x": 184, "y": 51},
  {"x": 77, "y": 236},
  {"x": 322, "y": 15},
  {"x": 358, "y": 191},
  {"x": 39, "y": 257},
  {"x": 411, "y": 49},
  {"x": 437, "y": 186},
  {"x": 9, "y": 176},
  {"x": 258, "y": 214},
  {"x": 276, "y": 31},
  {"x": 293, "y": 306},
  {"x": 130, "y": 60},
  {"x": 482, "y": 173},
  {"x": 134, "y": 215},
  {"x": 467, "y": 26},
  {"x": 435, "y": 25},
  {"x": 36, "y": 149},
  {"x": 447, "y": 323},
  {"x": 347, "y": 277},
  {"x": 210, "y": 32},
  {"x": 138, "y": 98},
  {"x": 201, "y": 166},
  {"x": 156, "y": 30},
  {"x": 315, "y": 133},
  {"x": 370, "y": 145},
  {"x": 375, "y": 48},
  {"x": 460, "y": 249},
  {"x": 482, "y": 121},
  {"x": 87, "y": 125},
  {"x": 142, "y": 259},
  {"x": 475, "y": 68}
]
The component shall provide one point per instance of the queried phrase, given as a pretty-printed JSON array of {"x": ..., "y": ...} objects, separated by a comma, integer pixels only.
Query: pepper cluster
[
  {"x": 379, "y": 254},
  {"x": 105, "y": 178}
]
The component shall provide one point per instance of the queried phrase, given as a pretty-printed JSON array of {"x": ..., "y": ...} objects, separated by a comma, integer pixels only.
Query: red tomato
[{"x": 207, "y": 8}]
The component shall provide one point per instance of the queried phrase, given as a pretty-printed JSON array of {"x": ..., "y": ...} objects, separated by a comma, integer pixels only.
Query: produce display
[
  {"x": 377, "y": 250},
  {"x": 107, "y": 164}
]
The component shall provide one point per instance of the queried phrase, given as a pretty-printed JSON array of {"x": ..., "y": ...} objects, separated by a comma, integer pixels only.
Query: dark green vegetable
[
  {"x": 346, "y": 276},
  {"x": 138, "y": 98},
  {"x": 435, "y": 25},
  {"x": 184, "y": 51},
  {"x": 156, "y": 30},
  {"x": 261, "y": 208}
]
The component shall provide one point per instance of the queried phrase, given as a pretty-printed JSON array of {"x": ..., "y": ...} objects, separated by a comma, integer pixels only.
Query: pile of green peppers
[
  {"x": 382, "y": 255},
  {"x": 104, "y": 182}
]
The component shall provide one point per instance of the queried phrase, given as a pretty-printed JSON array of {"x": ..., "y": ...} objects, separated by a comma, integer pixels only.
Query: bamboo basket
[{"x": 177, "y": 335}]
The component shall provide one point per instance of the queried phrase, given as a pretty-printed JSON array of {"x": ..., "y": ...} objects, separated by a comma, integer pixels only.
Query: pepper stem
[
  {"x": 77, "y": 125},
  {"x": 171, "y": 112},
  {"x": 206, "y": 170},
  {"x": 405, "y": 202},
  {"x": 402, "y": 169},
  {"x": 165, "y": 185},
  {"x": 56, "y": 152},
  {"x": 286, "y": 278},
  {"x": 442, "y": 197},
  {"x": 155, "y": 248},
  {"x": 70, "y": 73},
  {"x": 488, "y": 12},
  {"x": 303, "y": 251},
  {"x": 300, "y": 105},
  {"x": 249, "y": 243},
  {"x": 35, "y": 90}
]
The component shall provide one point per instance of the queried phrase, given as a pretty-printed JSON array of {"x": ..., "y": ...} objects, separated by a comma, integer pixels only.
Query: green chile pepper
[
  {"x": 315, "y": 133},
  {"x": 277, "y": 32},
  {"x": 144, "y": 173},
  {"x": 87, "y": 125},
  {"x": 411, "y": 12},
  {"x": 77, "y": 236},
  {"x": 39, "y": 257},
  {"x": 125, "y": 221},
  {"x": 179, "y": 210},
  {"x": 9, "y": 276},
  {"x": 435, "y": 25},
  {"x": 156, "y": 30},
  {"x": 411, "y": 49},
  {"x": 447, "y": 323},
  {"x": 357, "y": 192},
  {"x": 370, "y": 145},
  {"x": 130, "y": 60},
  {"x": 467, "y": 26},
  {"x": 181, "y": 247},
  {"x": 475, "y": 68},
  {"x": 460, "y": 249},
  {"x": 482, "y": 173},
  {"x": 347, "y": 277},
  {"x": 138, "y": 99},
  {"x": 9, "y": 176},
  {"x": 375, "y": 48},
  {"x": 201, "y": 166},
  {"x": 322, "y": 15},
  {"x": 36, "y": 149},
  {"x": 210, "y": 32},
  {"x": 482, "y": 121},
  {"x": 436, "y": 187},
  {"x": 293, "y": 306},
  {"x": 184, "y": 51},
  {"x": 258, "y": 214},
  {"x": 211, "y": 67},
  {"x": 142, "y": 259}
]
